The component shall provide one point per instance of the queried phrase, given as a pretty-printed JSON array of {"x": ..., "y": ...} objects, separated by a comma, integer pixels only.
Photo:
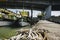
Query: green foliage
[{"x": 41, "y": 16}]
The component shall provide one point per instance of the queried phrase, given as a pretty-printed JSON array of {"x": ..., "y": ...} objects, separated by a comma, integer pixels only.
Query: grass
[{"x": 7, "y": 32}]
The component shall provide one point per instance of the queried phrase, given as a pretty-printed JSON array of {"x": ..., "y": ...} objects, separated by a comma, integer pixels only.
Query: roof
[{"x": 28, "y": 4}]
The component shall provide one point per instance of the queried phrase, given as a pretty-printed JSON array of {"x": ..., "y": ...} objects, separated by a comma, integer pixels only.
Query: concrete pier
[{"x": 48, "y": 12}]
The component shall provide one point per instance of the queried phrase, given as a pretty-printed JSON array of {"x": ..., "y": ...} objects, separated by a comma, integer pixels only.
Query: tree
[{"x": 41, "y": 15}]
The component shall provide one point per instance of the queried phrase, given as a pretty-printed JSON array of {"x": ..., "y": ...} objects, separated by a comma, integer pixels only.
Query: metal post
[{"x": 31, "y": 15}]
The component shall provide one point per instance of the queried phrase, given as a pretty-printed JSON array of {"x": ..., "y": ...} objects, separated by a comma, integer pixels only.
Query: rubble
[
  {"x": 29, "y": 34},
  {"x": 40, "y": 31}
]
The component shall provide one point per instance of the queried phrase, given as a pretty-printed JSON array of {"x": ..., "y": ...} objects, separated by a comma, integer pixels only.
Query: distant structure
[{"x": 43, "y": 5}]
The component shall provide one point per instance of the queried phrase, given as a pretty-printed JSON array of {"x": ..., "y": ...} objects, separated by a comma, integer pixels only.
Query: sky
[
  {"x": 35, "y": 12},
  {"x": 55, "y": 13}
]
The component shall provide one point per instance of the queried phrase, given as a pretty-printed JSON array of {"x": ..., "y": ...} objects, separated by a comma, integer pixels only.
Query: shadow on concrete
[{"x": 12, "y": 25}]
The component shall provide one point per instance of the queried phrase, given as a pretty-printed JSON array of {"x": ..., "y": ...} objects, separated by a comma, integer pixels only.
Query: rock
[
  {"x": 51, "y": 36},
  {"x": 24, "y": 23},
  {"x": 40, "y": 31}
]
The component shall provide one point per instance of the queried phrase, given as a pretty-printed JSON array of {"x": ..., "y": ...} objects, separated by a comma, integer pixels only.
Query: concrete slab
[{"x": 53, "y": 28}]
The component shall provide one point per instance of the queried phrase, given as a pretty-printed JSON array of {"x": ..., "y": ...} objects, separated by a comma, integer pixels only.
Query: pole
[
  {"x": 31, "y": 16},
  {"x": 31, "y": 13}
]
